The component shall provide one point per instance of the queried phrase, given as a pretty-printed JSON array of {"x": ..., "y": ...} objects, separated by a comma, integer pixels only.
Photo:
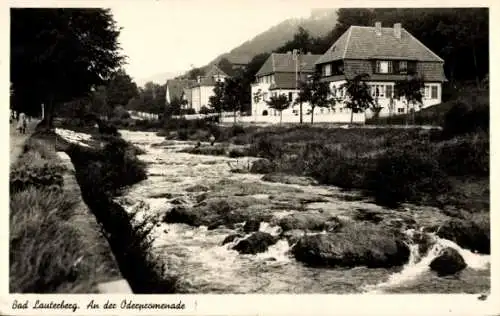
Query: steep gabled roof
[
  {"x": 208, "y": 78},
  {"x": 362, "y": 42},
  {"x": 176, "y": 87},
  {"x": 285, "y": 63}
]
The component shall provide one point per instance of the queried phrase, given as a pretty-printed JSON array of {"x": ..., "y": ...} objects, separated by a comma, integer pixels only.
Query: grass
[{"x": 55, "y": 246}]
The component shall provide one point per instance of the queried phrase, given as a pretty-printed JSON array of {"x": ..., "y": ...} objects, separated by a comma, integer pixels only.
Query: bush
[
  {"x": 46, "y": 176},
  {"x": 466, "y": 156},
  {"x": 121, "y": 113},
  {"x": 407, "y": 174},
  {"x": 464, "y": 118}
]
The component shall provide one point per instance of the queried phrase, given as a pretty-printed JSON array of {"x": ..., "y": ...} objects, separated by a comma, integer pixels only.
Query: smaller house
[
  {"x": 201, "y": 90},
  {"x": 281, "y": 74},
  {"x": 176, "y": 89}
]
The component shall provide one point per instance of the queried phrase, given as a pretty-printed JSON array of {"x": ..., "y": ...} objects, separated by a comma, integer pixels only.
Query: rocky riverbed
[{"x": 227, "y": 232}]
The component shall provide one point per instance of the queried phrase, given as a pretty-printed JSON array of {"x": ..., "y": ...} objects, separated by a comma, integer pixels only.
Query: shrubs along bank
[
  {"x": 55, "y": 243},
  {"x": 102, "y": 173}
]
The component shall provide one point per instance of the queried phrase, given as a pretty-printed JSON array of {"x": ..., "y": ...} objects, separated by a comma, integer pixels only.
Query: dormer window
[
  {"x": 383, "y": 67},
  {"x": 403, "y": 66}
]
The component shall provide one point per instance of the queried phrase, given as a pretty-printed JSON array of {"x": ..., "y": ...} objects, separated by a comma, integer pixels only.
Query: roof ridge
[
  {"x": 347, "y": 42},
  {"x": 421, "y": 44}
]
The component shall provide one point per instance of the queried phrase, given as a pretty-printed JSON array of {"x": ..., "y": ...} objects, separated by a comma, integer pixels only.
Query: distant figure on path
[
  {"x": 212, "y": 139},
  {"x": 21, "y": 124}
]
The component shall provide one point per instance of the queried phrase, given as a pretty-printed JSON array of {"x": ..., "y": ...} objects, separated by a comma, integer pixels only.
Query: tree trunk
[
  {"x": 281, "y": 116},
  {"x": 352, "y": 115},
  {"x": 48, "y": 119},
  {"x": 300, "y": 109},
  {"x": 234, "y": 112},
  {"x": 475, "y": 64},
  {"x": 312, "y": 115}
]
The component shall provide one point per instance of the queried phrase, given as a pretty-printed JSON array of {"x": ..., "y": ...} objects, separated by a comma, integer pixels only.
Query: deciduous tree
[
  {"x": 279, "y": 103},
  {"x": 66, "y": 52},
  {"x": 358, "y": 94}
]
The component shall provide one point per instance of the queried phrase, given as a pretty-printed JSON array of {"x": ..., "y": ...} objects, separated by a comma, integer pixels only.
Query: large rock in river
[
  {"x": 255, "y": 243},
  {"x": 469, "y": 234},
  {"x": 354, "y": 245},
  {"x": 448, "y": 262}
]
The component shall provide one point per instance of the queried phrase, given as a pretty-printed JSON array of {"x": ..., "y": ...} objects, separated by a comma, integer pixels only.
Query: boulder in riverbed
[
  {"x": 293, "y": 236},
  {"x": 358, "y": 244},
  {"x": 472, "y": 234},
  {"x": 288, "y": 179},
  {"x": 255, "y": 243},
  {"x": 231, "y": 238},
  {"x": 251, "y": 225},
  {"x": 448, "y": 262},
  {"x": 263, "y": 166},
  {"x": 303, "y": 221}
]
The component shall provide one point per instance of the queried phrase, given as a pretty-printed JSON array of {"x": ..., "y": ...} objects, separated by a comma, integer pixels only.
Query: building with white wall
[
  {"x": 280, "y": 74},
  {"x": 201, "y": 90},
  {"x": 387, "y": 55}
]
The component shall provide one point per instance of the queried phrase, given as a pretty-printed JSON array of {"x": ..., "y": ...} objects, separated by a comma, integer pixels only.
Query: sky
[{"x": 169, "y": 36}]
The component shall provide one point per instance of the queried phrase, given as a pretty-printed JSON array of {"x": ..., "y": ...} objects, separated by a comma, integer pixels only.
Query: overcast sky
[{"x": 171, "y": 35}]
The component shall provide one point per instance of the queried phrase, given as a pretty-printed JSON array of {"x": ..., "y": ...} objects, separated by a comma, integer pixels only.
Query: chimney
[
  {"x": 397, "y": 30},
  {"x": 378, "y": 28}
]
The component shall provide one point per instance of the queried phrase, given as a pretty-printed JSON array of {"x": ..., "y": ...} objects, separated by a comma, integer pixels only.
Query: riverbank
[
  {"x": 105, "y": 166},
  {"x": 56, "y": 245}
]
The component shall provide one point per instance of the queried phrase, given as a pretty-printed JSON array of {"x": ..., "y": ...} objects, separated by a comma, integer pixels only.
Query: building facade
[
  {"x": 387, "y": 55},
  {"x": 202, "y": 89},
  {"x": 281, "y": 74}
]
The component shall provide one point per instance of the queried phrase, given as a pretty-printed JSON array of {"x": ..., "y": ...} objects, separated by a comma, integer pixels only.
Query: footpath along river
[{"x": 205, "y": 265}]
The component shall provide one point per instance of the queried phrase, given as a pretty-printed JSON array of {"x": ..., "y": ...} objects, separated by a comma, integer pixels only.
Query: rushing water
[{"x": 204, "y": 265}]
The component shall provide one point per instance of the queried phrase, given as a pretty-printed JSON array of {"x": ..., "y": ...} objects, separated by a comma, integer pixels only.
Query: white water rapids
[{"x": 204, "y": 265}]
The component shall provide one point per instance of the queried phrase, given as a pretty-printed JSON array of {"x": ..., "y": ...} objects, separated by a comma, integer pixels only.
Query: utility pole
[{"x": 296, "y": 57}]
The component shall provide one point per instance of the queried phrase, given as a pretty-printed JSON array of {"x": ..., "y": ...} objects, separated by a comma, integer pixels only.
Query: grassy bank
[
  {"x": 102, "y": 173},
  {"x": 55, "y": 244}
]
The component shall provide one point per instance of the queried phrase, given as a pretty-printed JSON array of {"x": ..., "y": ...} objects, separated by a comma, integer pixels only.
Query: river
[{"x": 204, "y": 265}]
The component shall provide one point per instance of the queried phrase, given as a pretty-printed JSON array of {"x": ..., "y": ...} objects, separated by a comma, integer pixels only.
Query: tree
[
  {"x": 66, "y": 53},
  {"x": 215, "y": 101},
  {"x": 411, "y": 90},
  {"x": 279, "y": 103},
  {"x": 121, "y": 89},
  {"x": 233, "y": 94},
  {"x": 316, "y": 92},
  {"x": 358, "y": 92}
]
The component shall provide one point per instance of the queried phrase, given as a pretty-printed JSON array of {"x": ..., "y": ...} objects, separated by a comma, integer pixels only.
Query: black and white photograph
[{"x": 157, "y": 147}]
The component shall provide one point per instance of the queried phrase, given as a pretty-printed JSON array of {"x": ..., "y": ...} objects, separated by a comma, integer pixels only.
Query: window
[
  {"x": 384, "y": 67},
  {"x": 327, "y": 70},
  {"x": 401, "y": 110},
  {"x": 434, "y": 92},
  {"x": 290, "y": 96},
  {"x": 334, "y": 91},
  {"x": 403, "y": 66},
  {"x": 388, "y": 91},
  {"x": 426, "y": 92}
]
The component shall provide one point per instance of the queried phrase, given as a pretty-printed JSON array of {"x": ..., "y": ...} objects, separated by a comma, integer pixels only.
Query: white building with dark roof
[
  {"x": 202, "y": 89},
  {"x": 280, "y": 74}
]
